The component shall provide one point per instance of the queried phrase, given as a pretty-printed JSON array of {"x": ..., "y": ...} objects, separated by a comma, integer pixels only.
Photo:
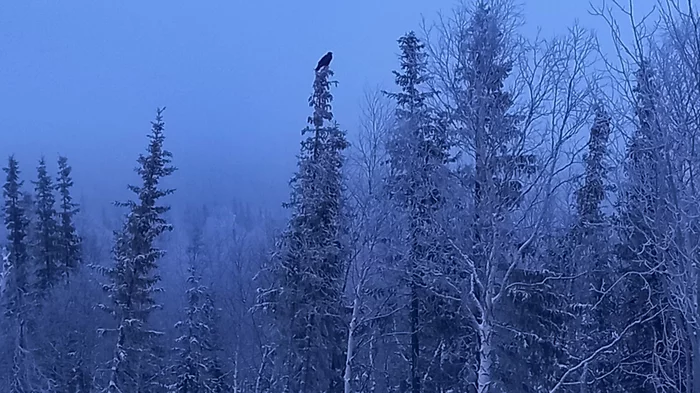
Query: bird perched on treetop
[{"x": 325, "y": 61}]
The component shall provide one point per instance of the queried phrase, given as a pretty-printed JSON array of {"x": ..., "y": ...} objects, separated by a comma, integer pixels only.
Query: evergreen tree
[
  {"x": 592, "y": 256},
  {"x": 62, "y": 353},
  {"x": 71, "y": 349},
  {"x": 592, "y": 194},
  {"x": 645, "y": 219},
  {"x": 531, "y": 320},
  {"x": 134, "y": 278},
  {"x": 46, "y": 244},
  {"x": 18, "y": 302},
  {"x": 307, "y": 269},
  {"x": 28, "y": 206},
  {"x": 564, "y": 321},
  {"x": 198, "y": 369},
  {"x": 69, "y": 243},
  {"x": 418, "y": 150},
  {"x": 591, "y": 232}
]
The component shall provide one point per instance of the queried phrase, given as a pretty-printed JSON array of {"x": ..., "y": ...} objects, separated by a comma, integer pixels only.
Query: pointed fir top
[
  {"x": 647, "y": 138},
  {"x": 414, "y": 73},
  {"x": 645, "y": 90},
  {"x": 321, "y": 99},
  {"x": 592, "y": 192},
  {"x": 47, "y": 237},
  {"x": 487, "y": 45},
  {"x": 153, "y": 166},
  {"x": 157, "y": 163},
  {"x": 64, "y": 182},
  {"x": 413, "y": 60},
  {"x": 42, "y": 165},
  {"x": 12, "y": 189},
  {"x": 15, "y": 219},
  {"x": 43, "y": 184},
  {"x": 12, "y": 171},
  {"x": 64, "y": 172},
  {"x": 484, "y": 23},
  {"x": 601, "y": 123}
]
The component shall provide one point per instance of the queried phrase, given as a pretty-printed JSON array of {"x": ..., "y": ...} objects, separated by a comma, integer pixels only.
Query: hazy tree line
[{"x": 513, "y": 215}]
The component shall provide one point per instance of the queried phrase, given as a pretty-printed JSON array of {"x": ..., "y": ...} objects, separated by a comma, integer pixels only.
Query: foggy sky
[{"x": 83, "y": 78}]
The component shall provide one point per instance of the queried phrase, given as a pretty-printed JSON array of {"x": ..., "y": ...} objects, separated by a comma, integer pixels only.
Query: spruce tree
[
  {"x": 592, "y": 255},
  {"x": 134, "y": 277},
  {"x": 198, "y": 369},
  {"x": 582, "y": 254},
  {"x": 17, "y": 291},
  {"x": 48, "y": 271},
  {"x": 308, "y": 265},
  {"x": 69, "y": 242},
  {"x": 418, "y": 150},
  {"x": 592, "y": 194},
  {"x": 67, "y": 365},
  {"x": 644, "y": 221}
]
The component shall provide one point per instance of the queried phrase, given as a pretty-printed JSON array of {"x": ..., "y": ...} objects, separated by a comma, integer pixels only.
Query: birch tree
[
  {"x": 516, "y": 108},
  {"x": 375, "y": 359},
  {"x": 676, "y": 56}
]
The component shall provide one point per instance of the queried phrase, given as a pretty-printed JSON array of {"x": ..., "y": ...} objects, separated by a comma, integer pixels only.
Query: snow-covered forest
[{"x": 515, "y": 214}]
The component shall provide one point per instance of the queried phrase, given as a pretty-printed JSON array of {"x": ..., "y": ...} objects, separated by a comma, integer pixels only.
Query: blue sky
[{"x": 83, "y": 78}]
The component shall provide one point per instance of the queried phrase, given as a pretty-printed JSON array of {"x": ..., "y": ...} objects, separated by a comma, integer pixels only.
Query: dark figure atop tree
[{"x": 325, "y": 61}]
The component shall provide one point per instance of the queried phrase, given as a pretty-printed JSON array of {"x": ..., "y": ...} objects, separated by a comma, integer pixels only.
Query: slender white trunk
[
  {"x": 696, "y": 366},
  {"x": 261, "y": 369},
  {"x": 236, "y": 383},
  {"x": 582, "y": 381},
  {"x": 372, "y": 379},
  {"x": 5, "y": 272},
  {"x": 351, "y": 345},
  {"x": 695, "y": 338},
  {"x": 20, "y": 369},
  {"x": 484, "y": 377}
]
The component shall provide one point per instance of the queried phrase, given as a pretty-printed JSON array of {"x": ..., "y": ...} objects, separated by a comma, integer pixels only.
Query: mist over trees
[{"x": 513, "y": 215}]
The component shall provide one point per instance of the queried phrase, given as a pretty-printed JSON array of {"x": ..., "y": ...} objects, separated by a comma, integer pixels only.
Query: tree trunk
[
  {"x": 236, "y": 382},
  {"x": 261, "y": 369},
  {"x": 695, "y": 339},
  {"x": 415, "y": 380},
  {"x": 20, "y": 366},
  {"x": 351, "y": 346},
  {"x": 372, "y": 377},
  {"x": 583, "y": 388},
  {"x": 484, "y": 377}
]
